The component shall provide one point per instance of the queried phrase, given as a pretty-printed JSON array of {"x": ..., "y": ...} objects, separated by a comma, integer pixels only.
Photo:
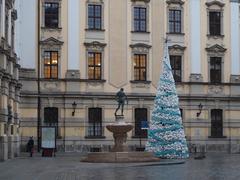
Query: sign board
[
  {"x": 48, "y": 137},
  {"x": 144, "y": 124}
]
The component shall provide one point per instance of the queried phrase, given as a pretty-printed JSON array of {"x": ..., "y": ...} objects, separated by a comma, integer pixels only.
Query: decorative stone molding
[
  {"x": 9, "y": 4},
  {"x": 215, "y": 2},
  {"x": 72, "y": 74},
  {"x": 176, "y": 49},
  {"x": 51, "y": 41},
  {"x": 27, "y": 73},
  {"x": 146, "y": 1},
  {"x": 140, "y": 48},
  {"x": 174, "y": 2},
  {"x": 215, "y": 89},
  {"x": 95, "y": 46},
  {"x": 235, "y": 78},
  {"x": 51, "y": 86},
  {"x": 216, "y": 49},
  {"x": 196, "y": 78}
]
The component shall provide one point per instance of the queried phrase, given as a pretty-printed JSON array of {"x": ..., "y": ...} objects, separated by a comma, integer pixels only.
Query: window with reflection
[
  {"x": 51, "y": 14},
  {"x": 51, "y": 64},
  {"x": 215, "y": 69},
  {"x": 94, "y": 65},
  {"x": 140, "y": 67},
  {"x": 140, "y": 19},
  {"x": 95, "y": 128},
  {"x": 176, "y": 64},
  {"x": 140, "y": 121},
  {"x": 216, "y": 123},
  {"x": 175, "y": 21},
  {"x": 215, "y": 23},
  {"x": 94, "y": 16}
]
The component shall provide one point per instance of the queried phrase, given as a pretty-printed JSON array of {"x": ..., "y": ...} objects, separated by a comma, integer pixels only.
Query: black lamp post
[
  {"x": 74, "y": 105},
  {"x": 200, "y": 106}
]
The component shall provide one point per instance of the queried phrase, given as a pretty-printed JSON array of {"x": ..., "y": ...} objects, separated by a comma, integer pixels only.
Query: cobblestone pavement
[{"x": 69, "y": 167}]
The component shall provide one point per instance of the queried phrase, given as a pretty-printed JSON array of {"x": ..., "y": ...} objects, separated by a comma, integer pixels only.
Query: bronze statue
[{"x": 121, "y": 98}]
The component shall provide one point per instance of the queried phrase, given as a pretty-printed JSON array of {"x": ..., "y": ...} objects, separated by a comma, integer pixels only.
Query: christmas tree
[{"x": 166, "y": 136}]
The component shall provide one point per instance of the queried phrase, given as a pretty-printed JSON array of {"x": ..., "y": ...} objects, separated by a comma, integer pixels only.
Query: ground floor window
[
  {"x": 216, "y": 123},
  {"x": 140, "y": 120},
  {"x": 51, "y": 117},
  {"x": 95, "y": 128}
]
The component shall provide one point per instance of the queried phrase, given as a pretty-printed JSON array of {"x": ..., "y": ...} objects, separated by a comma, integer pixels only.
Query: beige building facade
[
  {"x": 9, "y": 84},
  {"x": 75, "y": 55}
]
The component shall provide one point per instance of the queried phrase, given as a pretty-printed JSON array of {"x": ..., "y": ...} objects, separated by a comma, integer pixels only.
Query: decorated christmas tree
[{"x": 166, "y": 136}]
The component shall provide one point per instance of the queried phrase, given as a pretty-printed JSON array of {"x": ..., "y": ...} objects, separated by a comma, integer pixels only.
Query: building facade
[
  {"x": 75, "y": 55},
  {"x": 9, "y": 84}
]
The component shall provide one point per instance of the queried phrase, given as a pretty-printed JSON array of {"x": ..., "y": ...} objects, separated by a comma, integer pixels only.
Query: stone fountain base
[{"x": 119, "y": 153}]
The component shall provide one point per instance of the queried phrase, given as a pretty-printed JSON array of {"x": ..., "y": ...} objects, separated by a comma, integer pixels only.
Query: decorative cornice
[
  {"x": 216, "y": 48},
  {"x": 178, "y": 47},
  {"x": 95, "y": 43},
  {"x": 215, "y": 2},
  {"x": 146, "y": 1},
  {"x": 140, "y": 45},
  {"x": 51, "y": 41},
  {"x": 175, "y": 2}
]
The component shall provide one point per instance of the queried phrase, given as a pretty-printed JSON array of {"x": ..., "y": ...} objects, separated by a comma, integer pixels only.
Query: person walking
[{"x": 30, "y": 146}]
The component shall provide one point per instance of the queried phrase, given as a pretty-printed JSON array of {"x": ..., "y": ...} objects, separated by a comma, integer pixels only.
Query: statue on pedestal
[{"x": 120, "y": 98}]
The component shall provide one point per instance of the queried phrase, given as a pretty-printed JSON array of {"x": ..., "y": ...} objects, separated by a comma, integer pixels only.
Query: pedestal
[{"x": 120, "y": 130}]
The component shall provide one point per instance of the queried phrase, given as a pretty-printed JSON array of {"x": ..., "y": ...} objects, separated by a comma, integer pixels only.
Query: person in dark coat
[{"x": 30, "y": 146}]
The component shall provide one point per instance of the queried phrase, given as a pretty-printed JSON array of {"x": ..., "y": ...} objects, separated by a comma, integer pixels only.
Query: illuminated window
[
  {"x": 140, "y": 67},
  {"x": 94, "y": 65},
  {"x": 51, "y": 64}
]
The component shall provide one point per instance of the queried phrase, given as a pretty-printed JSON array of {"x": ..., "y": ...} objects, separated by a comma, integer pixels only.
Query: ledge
[
  {"x": 52, "y": 29},
  {"x": 217, "y": 137},
  {"x": 137, "y": 137},
  {"x": 95, "y": 137},
  {"x": 97, "y": 30},
  {"x": 141, "y": 32},
  {"x": 177, "y": 34},
  {"x": 140, "y": 82},
  {"x": 215, "y": 36}
]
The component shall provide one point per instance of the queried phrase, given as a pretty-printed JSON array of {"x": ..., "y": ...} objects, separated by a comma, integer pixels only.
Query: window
[
  {"x": 94, "y": 16},
  {"x": 215, "y": 23},
  {"x": 6, "y": 25},
  {"x": 51, "y": 117},
  {"x": 51, "y": 64},
  {"x": 12, "y": 129},
  {"x": 94, "y": 65},
  {"x": 175, "y": 21},
  {"x": 51, "y": 15},
  {"x": 215, "y": 69},
  {"x": 176, "y": 64},
  {"x": 140, "y": 120},
  {"x": 95, "y": 128},
  {"x": 140, "y": 18},
  {"x": 140, "y": 67},
  {"x": 216, "y": 123}
]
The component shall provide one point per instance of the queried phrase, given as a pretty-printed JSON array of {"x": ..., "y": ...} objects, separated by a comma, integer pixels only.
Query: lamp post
[
  {"x": 74, "y": 105},
  {"x": 200, "y": 106}
]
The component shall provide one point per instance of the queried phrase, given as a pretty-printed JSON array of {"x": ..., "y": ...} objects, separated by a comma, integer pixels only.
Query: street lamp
[
  {"x": 200, "y": 106},
  {"x": 74, "y": 105}
]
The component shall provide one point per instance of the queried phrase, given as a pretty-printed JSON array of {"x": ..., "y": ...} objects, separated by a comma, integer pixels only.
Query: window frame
[
  {"x": 139, "y": 20},
  {"x": 212, "y": 72},
  {"x": 174, "y": 58},
  {"x": 212, "y": 32},
  {"x": 139, "y": 68},
  {"x": 174, "y": 21},
  {"x": 138, "y": 132},
  {"x": 94, "y": 66},
  {"x": 57, "y": 25},
  {"x": 94, "y": 16},
  {"x": 55, "y": 112},
  {"x": 95, "y": 125},
  {"x": 50, "y": 65},
  {"x": 216, "y": 124}
]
